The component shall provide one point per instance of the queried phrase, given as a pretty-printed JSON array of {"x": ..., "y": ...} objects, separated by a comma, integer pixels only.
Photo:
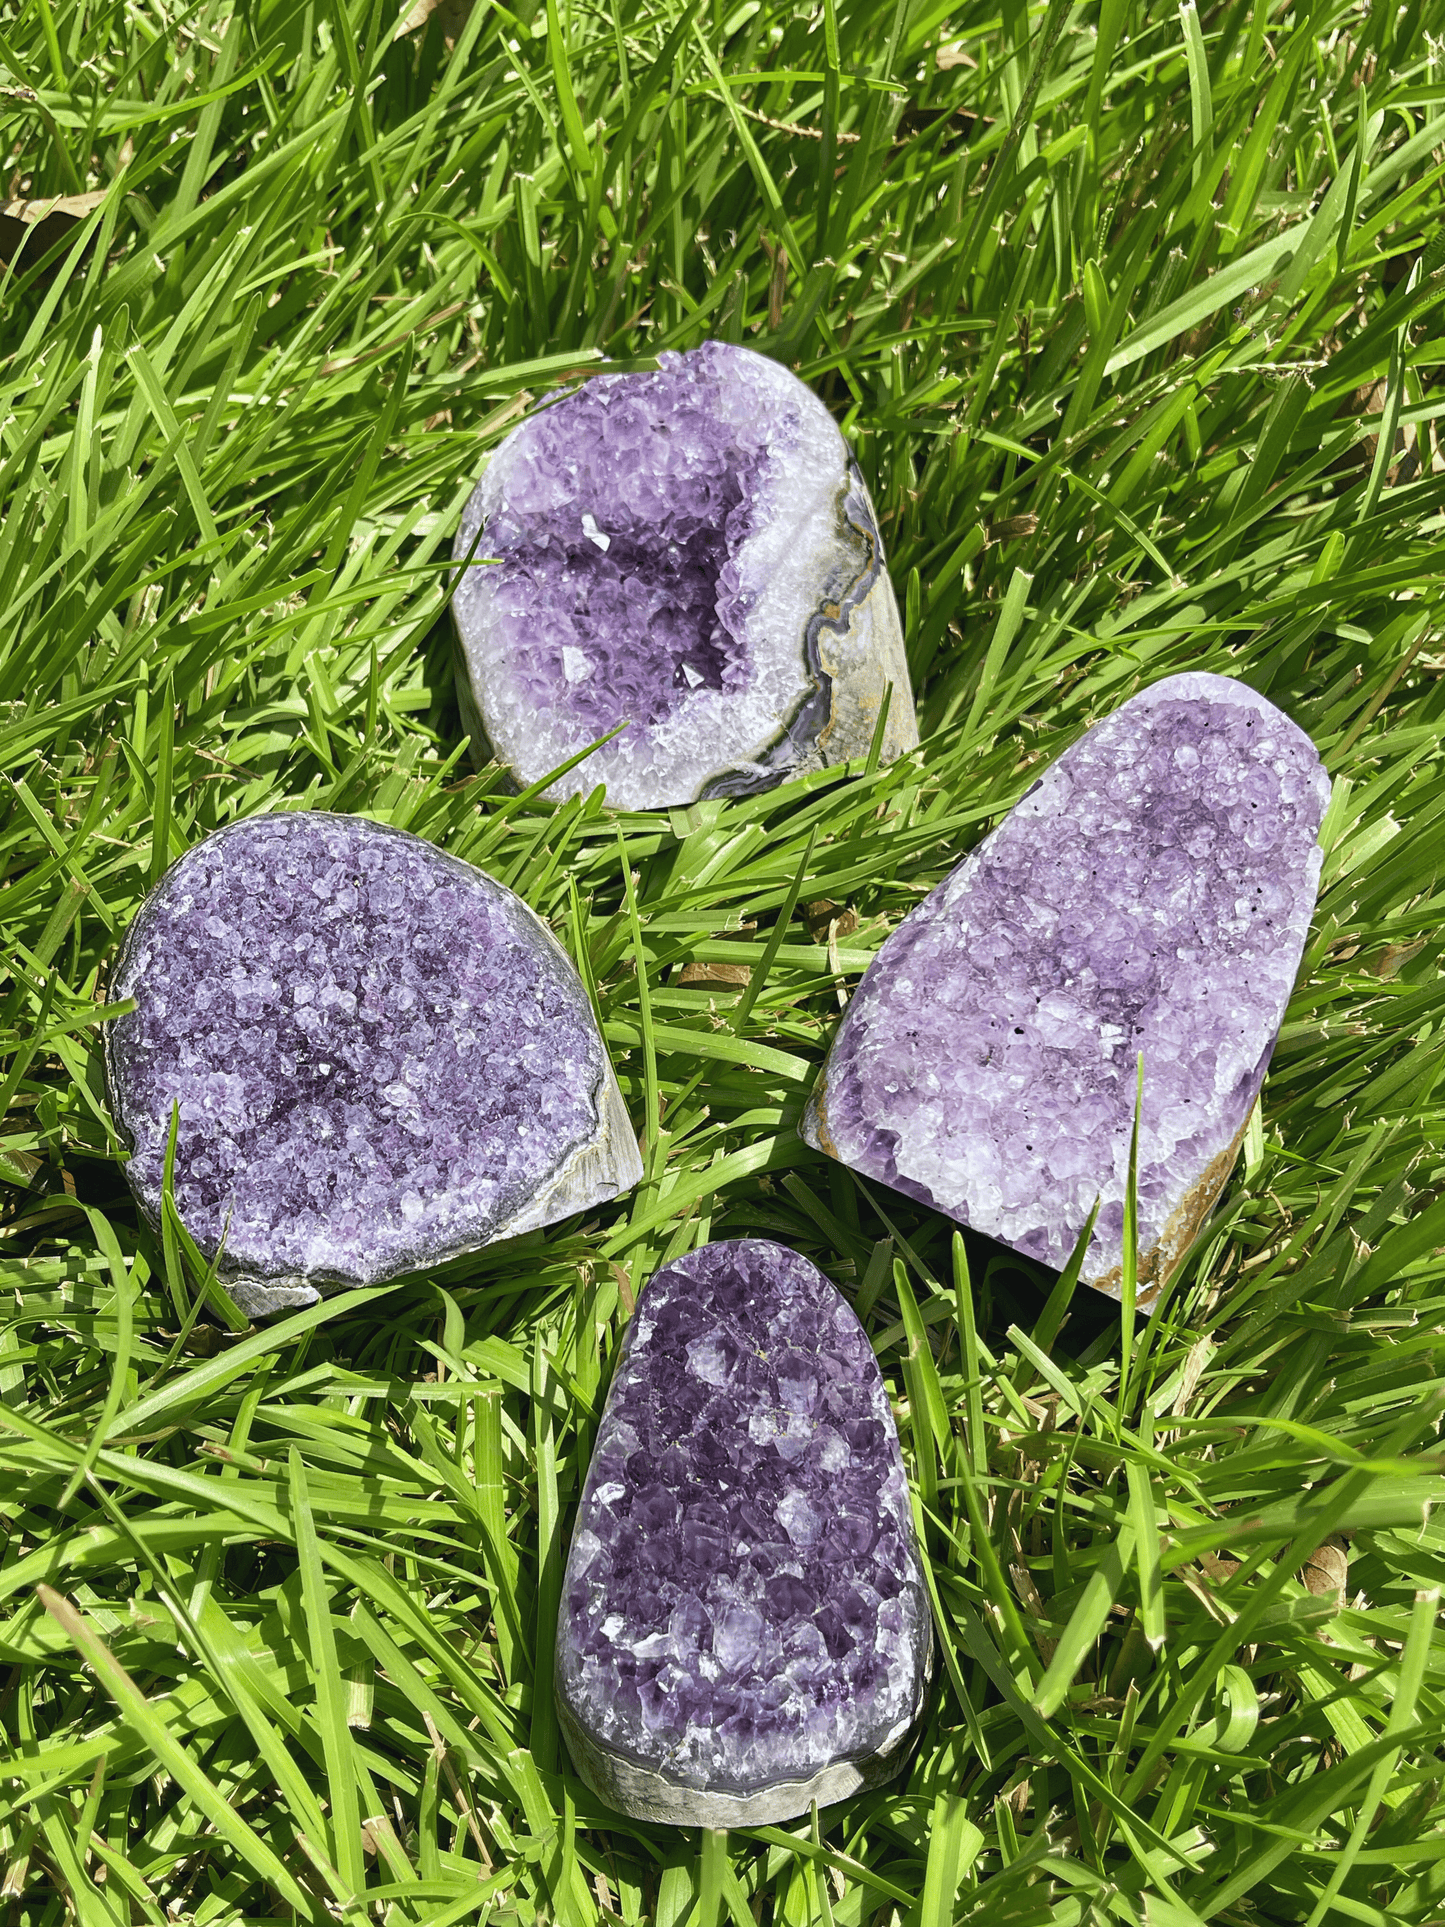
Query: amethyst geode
[
  {"x": 381, "y": 1059},
  {"x": 1150, "y": 894},
  {"x": 692, "y": 553},
  {"x": 744, "y": 1624}
]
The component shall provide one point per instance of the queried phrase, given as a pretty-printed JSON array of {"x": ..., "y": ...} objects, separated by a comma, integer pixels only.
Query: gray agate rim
[{"x": 644, "y": 1793}]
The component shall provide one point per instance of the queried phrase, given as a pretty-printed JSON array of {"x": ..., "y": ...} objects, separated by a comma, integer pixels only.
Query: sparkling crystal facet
[
  {"x": 692, "y": 552},
  {"x": 1151, "y": 893},
  {"x": 380, "y": 1056},
  {"x": 744, "y": 1624}
]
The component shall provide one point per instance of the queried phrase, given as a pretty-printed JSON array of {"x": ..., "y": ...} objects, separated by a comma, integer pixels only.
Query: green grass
[{"x": 1134, "y": 316}]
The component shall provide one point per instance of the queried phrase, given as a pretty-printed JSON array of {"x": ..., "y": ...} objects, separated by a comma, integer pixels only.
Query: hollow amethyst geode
[
  {"x": 693, "y": 553},
  {"x": 744, "y": 1625},
  {"x": 381, "y": 1059},
  {"x": 1150, "y": 894}
]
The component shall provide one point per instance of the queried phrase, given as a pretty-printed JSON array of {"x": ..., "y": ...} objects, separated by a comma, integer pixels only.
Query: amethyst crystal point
[
  {"x": 744, "y": 1624},
  {"x": 692, "y": 553},
  {"x": 1150, "y": 894},
  {"x": 381, "y": 1059}
]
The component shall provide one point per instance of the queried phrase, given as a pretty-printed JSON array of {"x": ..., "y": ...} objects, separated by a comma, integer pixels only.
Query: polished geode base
[
  {"x": 744, "y": 1627},
  {"x": 380, "y": 1059},
  {"x": 1150, "y": 894},
  {"x": 692, "y": 553}
]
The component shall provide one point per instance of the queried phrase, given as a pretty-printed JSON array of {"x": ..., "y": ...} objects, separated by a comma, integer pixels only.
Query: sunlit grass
[{"x": 1133, "y": 316}]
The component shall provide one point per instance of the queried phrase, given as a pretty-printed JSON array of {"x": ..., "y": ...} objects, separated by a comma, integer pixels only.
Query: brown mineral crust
[
  {"x": 817, "y": 1114},
  {"x": 1158, "y": 1264}
]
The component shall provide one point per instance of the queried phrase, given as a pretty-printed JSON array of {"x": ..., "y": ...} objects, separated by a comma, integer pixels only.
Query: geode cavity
[
  {"x": 692, "y": 553},
  {"x": 744, "y": 1625},
  {"x": 381, "y": 1058},
  {"x": 1149, "y": 895}
]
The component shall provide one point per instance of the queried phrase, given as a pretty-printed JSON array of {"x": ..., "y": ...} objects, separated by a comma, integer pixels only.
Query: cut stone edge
[
  {"x": 265, "y": 1298},
  {"x": 608, "y": 1164},
  {"x": 643, "y": 1793},
  {"x": 1157, "y": 1265},
  {"x": 595, "y": 1172},
  {"x": 862, "y": 659},
  {"x": 481, "y": 750},
  {"x": 603, "y": 1168}
]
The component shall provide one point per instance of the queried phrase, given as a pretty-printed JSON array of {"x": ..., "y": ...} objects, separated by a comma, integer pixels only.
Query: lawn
[{"x": 1133, "y": 314}]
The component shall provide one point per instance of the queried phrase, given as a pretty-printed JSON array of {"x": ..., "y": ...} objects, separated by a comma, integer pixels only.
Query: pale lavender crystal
[
  {"x": 692, "y": 552},
  {"x": 380, "y": 1056},
  {"x": 744, "y": 1623},
  {"x": 1151, "y": 893}
]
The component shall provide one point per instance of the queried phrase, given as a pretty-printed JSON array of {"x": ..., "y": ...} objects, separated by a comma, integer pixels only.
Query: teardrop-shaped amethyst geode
[
  {"x": 381, "y": 1059},
  {"x": 692, "y": 553},
  {"x": 1150, "y": 894},
  {"x": 744, "y": 1625}
]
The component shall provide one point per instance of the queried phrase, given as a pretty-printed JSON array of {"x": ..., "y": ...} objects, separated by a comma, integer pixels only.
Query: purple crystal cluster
[
  {"x": 744, "y": 1624},
  {"x": 1150, "y": 894},
  {"x": 380, "y": 1058},
  {"x": 674, "y": 471},
  {"x": 693, "y": 554}
]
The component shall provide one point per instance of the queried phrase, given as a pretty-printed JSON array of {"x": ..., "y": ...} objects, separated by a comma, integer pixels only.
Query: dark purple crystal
[
  {"x": 744, "y": 1625},
  {"x": 690, "y": 552},
  {"x": 380, "y": 1056},
  {"x": 1150, "y": 894}
]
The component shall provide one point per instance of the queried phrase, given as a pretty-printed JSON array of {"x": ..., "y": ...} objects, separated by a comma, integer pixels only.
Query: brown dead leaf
[
  {"x": 454, "y": 15},
  {"x": 828, "y": 921},
  {"x": 1221, "y": 1568},
  {"x": 1406, "y": 459},
  {"x": 735, "y": 976},
  {"x": 818, "y": 916},
  {"x": 204, "y": 1341},
  {"x": 1032, "y": 1602},
  {"x": 1199, "y": 1355},
  {"x": 1327, "y": 1569},
  {"x": 1393, "y": 958},
  {"x": 39, "y": 225},
  {"x": 1195, "y": 1582},
  {"x": 951, "y": 126},
  {"x": 1011, "y": 527},
  {"x": 777, "y": 281}
]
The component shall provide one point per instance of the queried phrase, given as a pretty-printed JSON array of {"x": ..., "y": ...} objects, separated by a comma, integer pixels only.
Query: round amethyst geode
[
  {"x": 745, "y": 1626},
  {"x": 692, "y": 553},
  {"x": 379, "y": 1056}
]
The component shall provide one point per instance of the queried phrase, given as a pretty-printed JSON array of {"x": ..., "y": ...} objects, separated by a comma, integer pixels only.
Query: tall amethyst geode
[
  {"x": 744, "y": 1624},
  {"x": 1150, "y": 894},
  {"x": 380, "y": 1059},
  {"x": 692, "y": 553}
]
